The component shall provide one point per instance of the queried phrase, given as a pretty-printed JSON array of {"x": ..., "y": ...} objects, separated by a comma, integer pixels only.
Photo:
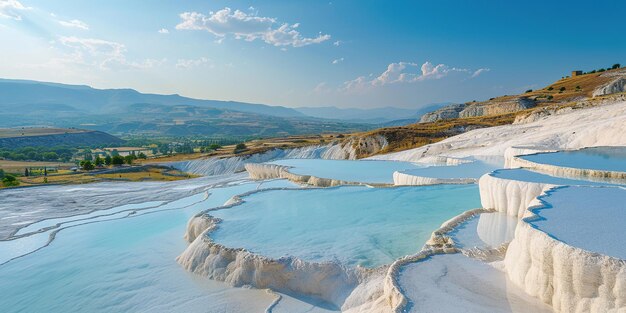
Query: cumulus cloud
[
  {"x": 11, "y": 8},
  {"x": 248, "y": 27},
  {"x": 337, "y": 61},
  {"x": 75, "y": 24},
  {"x": 479, "y": 71},
  {"x": 406, "y": 72},
  {"x": 337, "y": 43},
  {"x": 191, "y": 63},
  {"x": 164, "y": 31}
]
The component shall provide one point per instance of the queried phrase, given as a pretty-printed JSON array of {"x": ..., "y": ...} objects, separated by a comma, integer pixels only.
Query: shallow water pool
[
  {"x": 473, "y": 169},
  {"x": 596, "y": 158},
  {"x": 348, "y": 170},
  {"x": 520, "y": 174},
  {"x": 354, "y": 225},
  {"x": 127, "y": 265},
  {"x": 591, "y": 218}
]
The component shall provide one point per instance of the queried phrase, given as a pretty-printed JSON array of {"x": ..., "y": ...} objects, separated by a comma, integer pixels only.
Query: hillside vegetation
[{"x": 565, "y": 94}]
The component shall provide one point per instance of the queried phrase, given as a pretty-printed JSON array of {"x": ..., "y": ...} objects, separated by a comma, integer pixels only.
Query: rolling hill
[{"x": 129, "y": 112}]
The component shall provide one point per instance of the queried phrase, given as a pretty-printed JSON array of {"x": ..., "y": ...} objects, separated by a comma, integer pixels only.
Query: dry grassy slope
[{"x": 419, "y": 134}]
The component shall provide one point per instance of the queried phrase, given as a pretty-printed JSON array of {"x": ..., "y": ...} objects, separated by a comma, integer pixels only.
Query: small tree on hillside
[
  {"x": 142, "y": 155},
  {"x": 107, "y": 160},
  {"x": 616, "y": 66},
  {"x": 117, "y": 160},
  {"x": 129, "y": 159},
  {"x": 98, "y": 161},
  {"x": 86, "y": 165},
  {"x": 240, "y": 147},
  {"x": 10, "y": 181}
]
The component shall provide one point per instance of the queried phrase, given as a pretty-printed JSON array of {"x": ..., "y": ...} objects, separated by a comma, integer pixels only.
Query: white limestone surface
[
  {"x": 588, "y": 170},
  {"x": 568, "y": 277},
  {"x": 456, "y": 283},
  {"x": 512, "y": 190},
  {"x": 596, "y": 126},
  {"x": 461, "y": 173}
]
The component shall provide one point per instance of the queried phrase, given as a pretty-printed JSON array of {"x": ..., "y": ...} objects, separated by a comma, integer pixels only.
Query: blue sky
[{"x": 311, "y": 53}]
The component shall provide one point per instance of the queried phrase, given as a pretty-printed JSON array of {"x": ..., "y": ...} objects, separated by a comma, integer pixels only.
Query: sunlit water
[
  {"x": 534, "y": 177},
  {"x": 473, "y": 169},
  {"x": 573, "y": 215},
  {"x": 355, "y": 225},
  {"x": 348, "y": 170},
  {"x": 125, "y": 265},
  {"x": 598, "y": 158}
]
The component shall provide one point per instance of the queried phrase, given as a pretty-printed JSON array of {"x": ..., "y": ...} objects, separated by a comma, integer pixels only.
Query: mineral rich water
[
  {"x": 348, "y": 170},
  {"x": 354, "y": 225},
  {"x": 473, "y": 169},
  {"x": 597, "y": 158},
  {"x": 125, "y": 265},
  {"x": 575, "y": 214},
  {"x": 534, "y": 177}
]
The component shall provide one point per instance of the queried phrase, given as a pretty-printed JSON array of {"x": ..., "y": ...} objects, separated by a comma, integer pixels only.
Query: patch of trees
[
  {"x": 9, "y": 180},
  {"x": 51, "y": 154},
  {"x": 86, "y": 165},
  {"x": 600, "y": 70},
  {"x": 240, "y": 147}
]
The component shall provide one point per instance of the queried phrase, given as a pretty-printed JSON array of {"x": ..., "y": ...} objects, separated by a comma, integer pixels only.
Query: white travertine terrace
[
  {"x": 590, "y": 127},
  {"x": 509, "y": 196},
  {"x": 261, "y": 171},
  {"x": 556, "y": 170},
  {"x": 511, "y": 152},
  {"x": 568, "y": 278},
  {"x": 404, "y": 179}
]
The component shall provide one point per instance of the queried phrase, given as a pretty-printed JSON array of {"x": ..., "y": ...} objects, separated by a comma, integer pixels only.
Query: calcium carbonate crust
[
  {"x": 508, "y": 196},
  {"x": 568, "y": 278},
  {"x": 403, "y": 179},
  {"x": 261, "y": 171},
  {"x": 352, "y": 289},
  {"x": 612, "y": 176}
]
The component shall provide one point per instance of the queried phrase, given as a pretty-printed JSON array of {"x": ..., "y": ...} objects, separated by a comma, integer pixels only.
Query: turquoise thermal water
[
  {"x": 598, "y": 158},
  {"x": 534, "y": 177},
  {"x": 354, "y": 225},
  {"x": 574, "y": 215},
  {"x": 347, "y": 170},
  {"x": 125, "y": 265},
  {"x": 473, "y": 169}
]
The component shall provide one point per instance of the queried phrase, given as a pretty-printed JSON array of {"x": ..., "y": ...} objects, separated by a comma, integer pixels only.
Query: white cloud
[
  {"x": 164, "y": 31},
  {"x": 337, "y": 61},
  {"x": 191, "y": 63},
  {"x": 248, "y": 27},
  {"x": 337, "y": 43},
  {"x": 403, "y": 72},
  {"x": 10, "y": 9},
  {"x": 107, "y": 55},
  {"x": 322, "y": 88},
  {"x": 75, "y": 24},
  {"x": 480, "y": 71}
]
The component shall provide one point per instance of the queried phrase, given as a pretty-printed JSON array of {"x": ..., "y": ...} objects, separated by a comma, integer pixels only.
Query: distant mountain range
[
  {"x": 127, "y": 111},
  {"x": 372, "y": 116}
]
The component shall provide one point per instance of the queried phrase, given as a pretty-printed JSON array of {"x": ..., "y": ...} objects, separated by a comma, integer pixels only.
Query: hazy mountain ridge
[
  {"x": 93, "y": 100},
  {"x": 373, "y": 116}
]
